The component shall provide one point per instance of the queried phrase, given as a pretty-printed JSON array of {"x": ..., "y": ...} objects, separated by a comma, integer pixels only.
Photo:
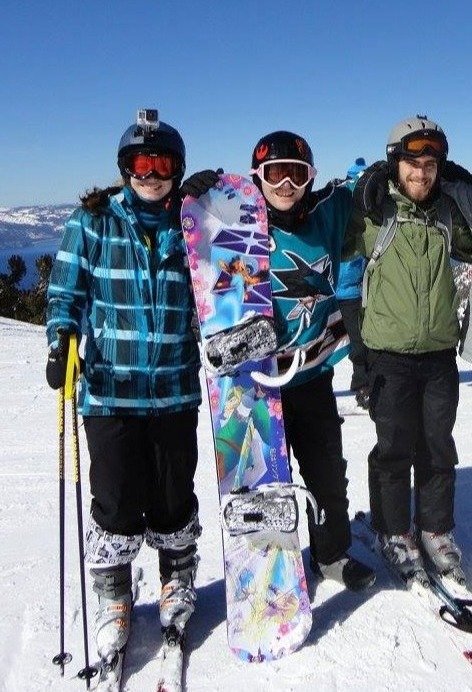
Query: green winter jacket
[{"x": 412, "y": 299}]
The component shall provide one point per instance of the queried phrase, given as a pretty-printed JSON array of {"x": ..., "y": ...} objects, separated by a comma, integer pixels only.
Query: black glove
[
  {"x": 370, "y": 191},
  {"x": 57, "y": 361},
  {"x": 453, "y": 172},
  {"x": 199, "y": 183}
]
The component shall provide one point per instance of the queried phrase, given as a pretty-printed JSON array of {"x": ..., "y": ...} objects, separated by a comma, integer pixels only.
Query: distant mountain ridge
[{"x": 22, "y": 227}]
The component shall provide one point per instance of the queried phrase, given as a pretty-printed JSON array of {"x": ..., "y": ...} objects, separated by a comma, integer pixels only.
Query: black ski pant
[
  {"x": 413, "y": 402},
  {"x": 358, "y": 354},
  {"x": 142, "y": 470},
  {"x": 313, "y": 434}
]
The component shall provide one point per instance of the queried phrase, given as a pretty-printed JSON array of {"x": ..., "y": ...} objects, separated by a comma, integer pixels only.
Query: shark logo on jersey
[{"x": 304, "y": 284}]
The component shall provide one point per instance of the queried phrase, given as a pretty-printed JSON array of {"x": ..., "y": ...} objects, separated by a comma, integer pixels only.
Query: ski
[
  {"x": 110, "y": 671},
  {"x": 171, "y": 660},
  {"x": 430, "y": 590}
]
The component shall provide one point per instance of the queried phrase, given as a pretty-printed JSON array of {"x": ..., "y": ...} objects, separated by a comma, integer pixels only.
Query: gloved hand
[
  {"x": 453, "y": 172},
  {"x": 199, "y": 183},
  {"x": 57, "y": 361},
  {"x": 370, "y": 191}
]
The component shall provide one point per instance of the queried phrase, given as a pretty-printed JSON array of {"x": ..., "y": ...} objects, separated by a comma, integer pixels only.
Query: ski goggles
[
  {"x": 163, "y": 166},
  {"x": 276, "y": 173},
  {"x": 414, "y": 145}
]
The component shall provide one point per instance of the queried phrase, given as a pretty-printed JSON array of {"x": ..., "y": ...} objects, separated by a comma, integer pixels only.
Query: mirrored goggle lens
[
  {"x": 164, "y": 166},
  {"x": 419, "y": 145}
]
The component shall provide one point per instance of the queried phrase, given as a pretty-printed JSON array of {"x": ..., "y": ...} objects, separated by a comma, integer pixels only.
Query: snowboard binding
[
  {"x": 254, "y": 338},
  {"x": 270, "y": 507}
]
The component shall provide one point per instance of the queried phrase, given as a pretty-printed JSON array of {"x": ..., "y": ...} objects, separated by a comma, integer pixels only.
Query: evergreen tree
[
  {"x": 20, "y": 304},
  {"x": 10, "y": 294}
]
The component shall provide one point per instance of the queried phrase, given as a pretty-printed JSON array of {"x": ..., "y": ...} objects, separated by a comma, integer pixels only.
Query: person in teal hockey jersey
[{"x": 307, "y": 232}]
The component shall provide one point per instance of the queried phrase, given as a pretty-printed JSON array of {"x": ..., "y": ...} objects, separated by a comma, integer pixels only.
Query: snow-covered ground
[{"x": 380, "y": 640}]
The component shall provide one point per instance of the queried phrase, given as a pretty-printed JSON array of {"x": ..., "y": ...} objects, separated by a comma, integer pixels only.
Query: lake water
[{"x": 30, "y": 254}]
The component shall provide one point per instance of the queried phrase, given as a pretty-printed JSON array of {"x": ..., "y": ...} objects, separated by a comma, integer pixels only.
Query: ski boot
[
  {"x": 178, "y": 596},
  {"x": 112, "y": 620},
  {"x": 445, "y": 555},
  {"x": 403, "y": 555},
  {"x": 352, "y": 573}
]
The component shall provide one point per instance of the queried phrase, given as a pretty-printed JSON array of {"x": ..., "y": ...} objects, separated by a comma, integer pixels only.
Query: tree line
[
  {"x": 25, "y": 305},
  {"x": 29, "y": 305}
]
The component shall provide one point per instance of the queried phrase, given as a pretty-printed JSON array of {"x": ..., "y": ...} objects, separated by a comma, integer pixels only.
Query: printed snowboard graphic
[{"x": 268, "y": 608}]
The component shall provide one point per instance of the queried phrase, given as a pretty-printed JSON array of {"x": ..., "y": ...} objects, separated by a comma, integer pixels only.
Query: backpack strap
[
  {"x": 388, "y": 229},
  {"x": 444, "y": 221},
  {"x": 384, "y": 238}
]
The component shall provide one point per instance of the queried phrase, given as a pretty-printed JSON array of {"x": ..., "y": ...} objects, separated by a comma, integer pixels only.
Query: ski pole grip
[{"x": 72, "y": 367}]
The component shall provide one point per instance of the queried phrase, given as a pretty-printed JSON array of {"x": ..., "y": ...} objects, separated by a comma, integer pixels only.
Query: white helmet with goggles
[{"x": 416, "y": 137}]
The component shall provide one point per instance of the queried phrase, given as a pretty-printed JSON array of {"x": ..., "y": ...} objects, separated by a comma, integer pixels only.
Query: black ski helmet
[
  {"x": 281, "y": 145},
  {"x": 284, "y": 145},
  {"x": 157, "y": 137}
]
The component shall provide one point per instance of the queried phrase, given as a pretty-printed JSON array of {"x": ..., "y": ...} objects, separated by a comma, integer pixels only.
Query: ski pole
[
  {"x": 88, "y": 671},
  {"x": 62, "y": 657},
  {"x": 72, "y": 375}
]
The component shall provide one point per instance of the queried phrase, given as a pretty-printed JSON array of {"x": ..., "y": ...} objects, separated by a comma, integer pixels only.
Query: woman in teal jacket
[{"x": 121, "y": 278}]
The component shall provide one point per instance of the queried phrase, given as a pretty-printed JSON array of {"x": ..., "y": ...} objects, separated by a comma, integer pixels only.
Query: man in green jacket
[{"x": 411, "y": 329}]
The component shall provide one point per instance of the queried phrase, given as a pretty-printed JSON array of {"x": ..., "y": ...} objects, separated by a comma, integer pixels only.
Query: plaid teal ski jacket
[{"x": 135, "y": 307}]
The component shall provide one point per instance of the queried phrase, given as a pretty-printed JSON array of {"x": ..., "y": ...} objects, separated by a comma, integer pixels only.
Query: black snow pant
[
  {"x": 413, "y": 402},
  {"x": 313, "y": 434},
  {"x": 358, "y": 354},
  {"x": 142, "y": 470}
]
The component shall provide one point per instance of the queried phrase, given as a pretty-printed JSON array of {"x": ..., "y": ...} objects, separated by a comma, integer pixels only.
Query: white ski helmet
[{"x": 415, "y": 137}]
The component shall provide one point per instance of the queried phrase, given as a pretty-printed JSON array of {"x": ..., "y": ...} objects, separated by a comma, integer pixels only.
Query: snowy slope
[{"x": 382, "y": 640}]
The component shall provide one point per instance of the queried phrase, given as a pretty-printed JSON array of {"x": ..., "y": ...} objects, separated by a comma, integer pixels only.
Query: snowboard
[{"x": 268, "y": 607}]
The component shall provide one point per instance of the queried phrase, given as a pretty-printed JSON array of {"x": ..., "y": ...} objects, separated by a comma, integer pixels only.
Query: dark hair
[{"x": 96, "y": 200}]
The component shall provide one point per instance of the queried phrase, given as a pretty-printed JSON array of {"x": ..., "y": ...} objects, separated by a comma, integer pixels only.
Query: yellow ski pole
[{"x": 62, "y": 657}]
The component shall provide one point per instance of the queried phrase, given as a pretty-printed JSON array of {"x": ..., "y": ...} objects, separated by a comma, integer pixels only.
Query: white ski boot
[
  {"x": 112, "y": 619},
  {"x": 177, "y": 603},
  {"x": 445, "y": 555},
  {"x": 178, "y": 596}
]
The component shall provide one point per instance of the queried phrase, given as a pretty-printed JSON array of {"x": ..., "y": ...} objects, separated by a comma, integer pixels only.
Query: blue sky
[{"x": 340, "y": 73}]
